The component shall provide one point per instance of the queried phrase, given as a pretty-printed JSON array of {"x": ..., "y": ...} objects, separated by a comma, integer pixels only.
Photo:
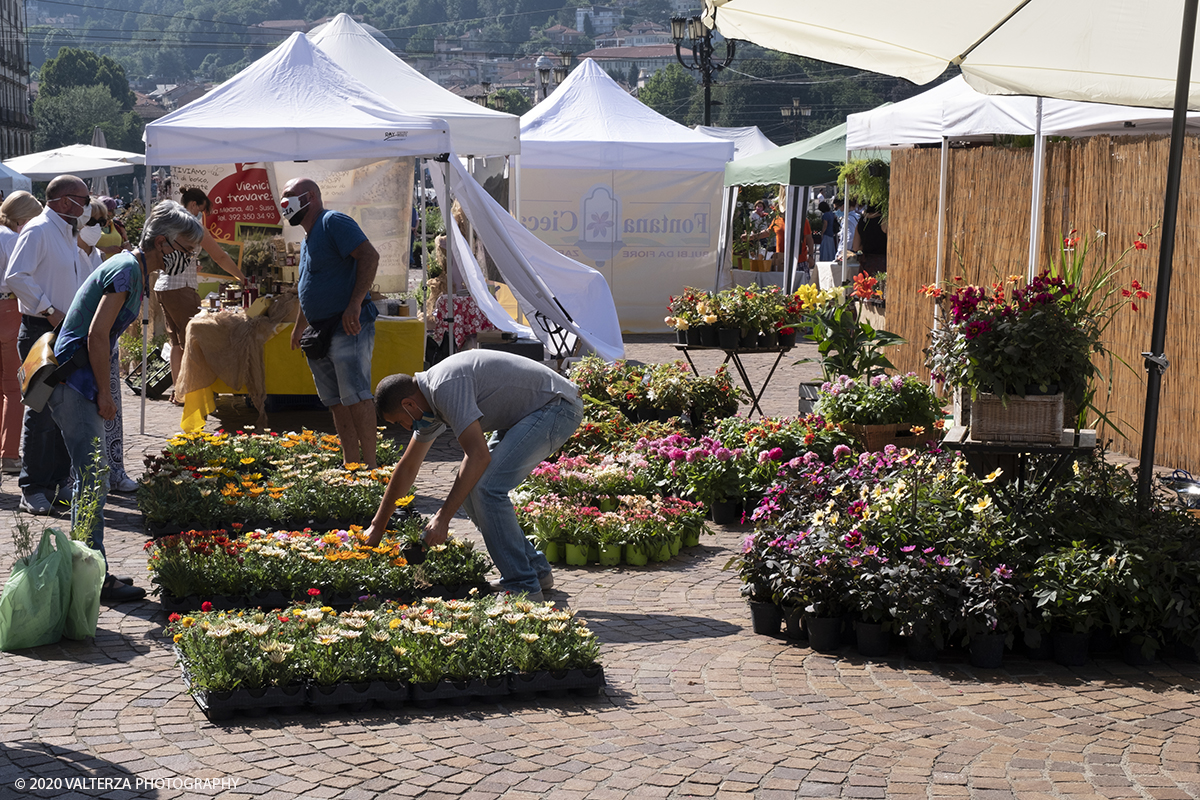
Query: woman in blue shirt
[{"x": 103, "y": 308}]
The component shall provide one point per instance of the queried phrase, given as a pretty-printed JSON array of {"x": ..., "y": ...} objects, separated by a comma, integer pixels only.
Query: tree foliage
[
  {"x": 73, "y": 68},
  {"x": 69, "y": 117},
  {"x": 670, "y": 92}
]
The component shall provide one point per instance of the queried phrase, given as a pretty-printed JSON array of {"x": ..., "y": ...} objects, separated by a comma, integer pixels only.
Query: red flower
[
  {"x": 314, "y": 592},
  {"x": 206, "y": 606},
  {"x": 1133, "y": 306},
  {"x": 1140, "y": 245},
  {"x": 174, "y": 618},
  {"x": 282, "y": 618}
]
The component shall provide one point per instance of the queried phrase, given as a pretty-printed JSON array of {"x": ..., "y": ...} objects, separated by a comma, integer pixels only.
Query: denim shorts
[{"x": 343, "y": 376}]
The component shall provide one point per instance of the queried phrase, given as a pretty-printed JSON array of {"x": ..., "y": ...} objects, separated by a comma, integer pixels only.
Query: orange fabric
[{"x": 805, "y": 237}]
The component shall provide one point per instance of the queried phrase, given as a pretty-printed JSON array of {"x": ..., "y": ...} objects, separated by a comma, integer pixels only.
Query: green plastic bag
[
  {"x": 33, "y": 608},
  {"x": 87, "y": 578}
]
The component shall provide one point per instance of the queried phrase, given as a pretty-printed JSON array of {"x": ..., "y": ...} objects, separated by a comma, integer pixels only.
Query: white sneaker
[{"x": 35, "y": 504}]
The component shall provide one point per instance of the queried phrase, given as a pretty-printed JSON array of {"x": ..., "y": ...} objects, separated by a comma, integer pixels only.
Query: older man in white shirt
[{"x": 45, "y": 271}]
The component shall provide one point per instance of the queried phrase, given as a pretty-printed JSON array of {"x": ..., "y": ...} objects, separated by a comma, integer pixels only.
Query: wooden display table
[{"x": 1047, "y": 464}]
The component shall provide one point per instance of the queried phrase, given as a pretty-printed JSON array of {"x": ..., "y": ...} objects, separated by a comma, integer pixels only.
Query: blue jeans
[
  {"x": 514, "y": 455},
  {"x": 45, "y": 463},
  {"x": 83, "y": 432},
  {"x": 343, "y": 376}
]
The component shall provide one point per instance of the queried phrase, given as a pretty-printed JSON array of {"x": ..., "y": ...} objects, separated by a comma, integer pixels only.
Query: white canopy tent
[
  {"x": 1099, "y": 50},
  {"x": 13, "y": 181},
  {"x": 746, "y": 141},
  {"x": 609, "y": 181},
  {"x": 474, "y": 130},
  {"x": 955, "y": 111},
  {"x": 294, "y": 104},
  {"x": 569, "y": 294}
]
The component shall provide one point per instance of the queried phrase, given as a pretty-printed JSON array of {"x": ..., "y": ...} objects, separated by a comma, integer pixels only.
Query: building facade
[{"x": 16, "y": 124}]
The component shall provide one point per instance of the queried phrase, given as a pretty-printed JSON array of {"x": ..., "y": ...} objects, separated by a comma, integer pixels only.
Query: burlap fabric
[{"x": 227, "y": 346}]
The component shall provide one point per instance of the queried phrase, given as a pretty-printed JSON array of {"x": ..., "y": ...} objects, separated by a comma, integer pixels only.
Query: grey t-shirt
[{"x": 498, "y": 389}]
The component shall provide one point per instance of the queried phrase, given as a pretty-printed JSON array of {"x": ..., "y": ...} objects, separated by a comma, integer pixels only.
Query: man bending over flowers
[{"x": 531, "y": 411}]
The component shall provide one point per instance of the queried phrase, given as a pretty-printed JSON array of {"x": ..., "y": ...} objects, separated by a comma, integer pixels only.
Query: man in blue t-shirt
[{"x": 337, "y": 268}]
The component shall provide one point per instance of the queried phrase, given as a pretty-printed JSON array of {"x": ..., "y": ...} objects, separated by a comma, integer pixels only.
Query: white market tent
[
  {"x": 746, "y": 141},
  {"x": 297, "y": 104},
  {"x": 955, "y": 111},
  {"x": 12, "y": 181},
  {"x": 608, "y": 181},
  {"x": 474, "y": 130},
  {"x": 294, "y": 104}
]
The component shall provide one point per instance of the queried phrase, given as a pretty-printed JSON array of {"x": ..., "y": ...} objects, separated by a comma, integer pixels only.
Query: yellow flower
[
  {"x": 187, "y": 622},
  {"x": 984, "y": 503},
  {"x": 996, "y": 473},
  {"x": 248, "y": 460},
  {"x": 177, "y": 637}
]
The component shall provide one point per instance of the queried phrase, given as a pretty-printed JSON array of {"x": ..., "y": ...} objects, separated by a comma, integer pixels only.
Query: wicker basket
[
  {"x": 1035, "y": 419},
  {"x": 874, "y": 438}
]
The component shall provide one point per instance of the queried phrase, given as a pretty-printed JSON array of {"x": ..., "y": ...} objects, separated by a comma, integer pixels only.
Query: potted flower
[
  {"x": 883, "y": 410},
  {"x": 993, "y": 610},
  {"x": 847, "y": 344}
]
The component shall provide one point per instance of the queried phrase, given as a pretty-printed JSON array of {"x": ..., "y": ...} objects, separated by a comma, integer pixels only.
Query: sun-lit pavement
[{"x": 696, "y": 705}]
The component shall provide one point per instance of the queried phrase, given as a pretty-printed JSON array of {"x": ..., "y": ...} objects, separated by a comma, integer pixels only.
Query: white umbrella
[
  {"x": 49, "y": 165},
  {"x": 1110, "y": 51}
]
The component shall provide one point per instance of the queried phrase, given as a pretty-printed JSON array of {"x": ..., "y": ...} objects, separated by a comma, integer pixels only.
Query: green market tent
[{"x": 810, "y": 162}]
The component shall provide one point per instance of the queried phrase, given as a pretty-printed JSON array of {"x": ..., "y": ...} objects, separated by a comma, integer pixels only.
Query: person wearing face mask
[
  {"x": 337, "y": 268},
  {"x": 103, "y": 308},
  {"x": 114, "y": 429},
  {"x": 16, "y": 210},
  {"x": 531, "y": 410},
  {"x": 45, "y": 271},
  {"x": 176, "y": 285}
]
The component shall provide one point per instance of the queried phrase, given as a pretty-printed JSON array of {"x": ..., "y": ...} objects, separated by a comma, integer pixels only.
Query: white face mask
[{"x": 91, "y": 234}]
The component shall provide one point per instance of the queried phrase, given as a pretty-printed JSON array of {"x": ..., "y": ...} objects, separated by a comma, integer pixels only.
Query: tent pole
[
  {"x": 725, "y": 237},
  {"x": 943, "y": 170},
  {"x": 514, "y": 186},
  {"x": 447, "y": 221},
  {"x": 1035, "y": 212},
  {"x": 145, "y": 306},
  {"x": 1156, "y": 361}
]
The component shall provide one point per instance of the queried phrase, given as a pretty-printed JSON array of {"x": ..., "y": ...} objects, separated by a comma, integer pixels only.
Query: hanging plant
[{"x": 870, "y": 179}]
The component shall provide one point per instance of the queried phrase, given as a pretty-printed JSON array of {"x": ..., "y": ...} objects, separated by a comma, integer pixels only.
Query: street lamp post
[
  {"x": 797, "y": 113},
  {"x": 699, "y": 38}
]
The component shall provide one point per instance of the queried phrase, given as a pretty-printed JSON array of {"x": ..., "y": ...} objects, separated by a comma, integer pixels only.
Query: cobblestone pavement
[{"x": 696, "y": 705}]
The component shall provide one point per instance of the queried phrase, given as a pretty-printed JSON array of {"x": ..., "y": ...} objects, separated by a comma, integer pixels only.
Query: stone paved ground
[{"x": 696, "y": 705}]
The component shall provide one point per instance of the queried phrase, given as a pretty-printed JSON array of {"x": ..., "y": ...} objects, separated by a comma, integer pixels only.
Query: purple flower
[
  {"x": 748, "y": 543},
  {"x": 1004, "y": 572},
  {"x": 897, "y": 382},
  {"x": 675, "y": 454},
  {"x": 776, "y": 453},
  {"x": 840, "y": 452},
  {"x": 822, "y": 561},
  {"x": 927, "y": 550},
  {"x": 855, "y": 561},
  {"x": 870, "y": 550},
  {"x": 908, "y": 548},
  {"x": 878, "y": 379},
  {"x": 723, "y": 454},
  {"x": 942, "y": 561}
]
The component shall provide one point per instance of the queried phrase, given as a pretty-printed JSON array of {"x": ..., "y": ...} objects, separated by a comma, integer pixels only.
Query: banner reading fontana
[{"x": 649, "y": 233}]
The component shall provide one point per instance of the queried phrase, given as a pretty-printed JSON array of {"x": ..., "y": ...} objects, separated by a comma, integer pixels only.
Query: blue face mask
[{"x": 426, "y": 421}]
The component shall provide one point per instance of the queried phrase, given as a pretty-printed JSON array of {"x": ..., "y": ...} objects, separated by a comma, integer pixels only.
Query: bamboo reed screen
[{"x": 1113, "y": 185}]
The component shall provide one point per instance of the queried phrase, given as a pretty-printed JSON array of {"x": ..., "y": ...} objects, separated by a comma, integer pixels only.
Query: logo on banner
[
  {"x": 394, "y": 135},
  {"x": 600, "y": 211}
]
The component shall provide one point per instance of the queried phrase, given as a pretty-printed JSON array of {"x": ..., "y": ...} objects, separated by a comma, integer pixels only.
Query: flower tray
[
  {"x": 1035, "y": 419},
  {"x": 218, "y": 706},
  {"x": 874, "y": 438},
  {"x": 586, "y": 682},
  {"x": 338, "y": 600},
  {"x": 157, "y": 531},
  {"x": 356, "y": 697}
]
